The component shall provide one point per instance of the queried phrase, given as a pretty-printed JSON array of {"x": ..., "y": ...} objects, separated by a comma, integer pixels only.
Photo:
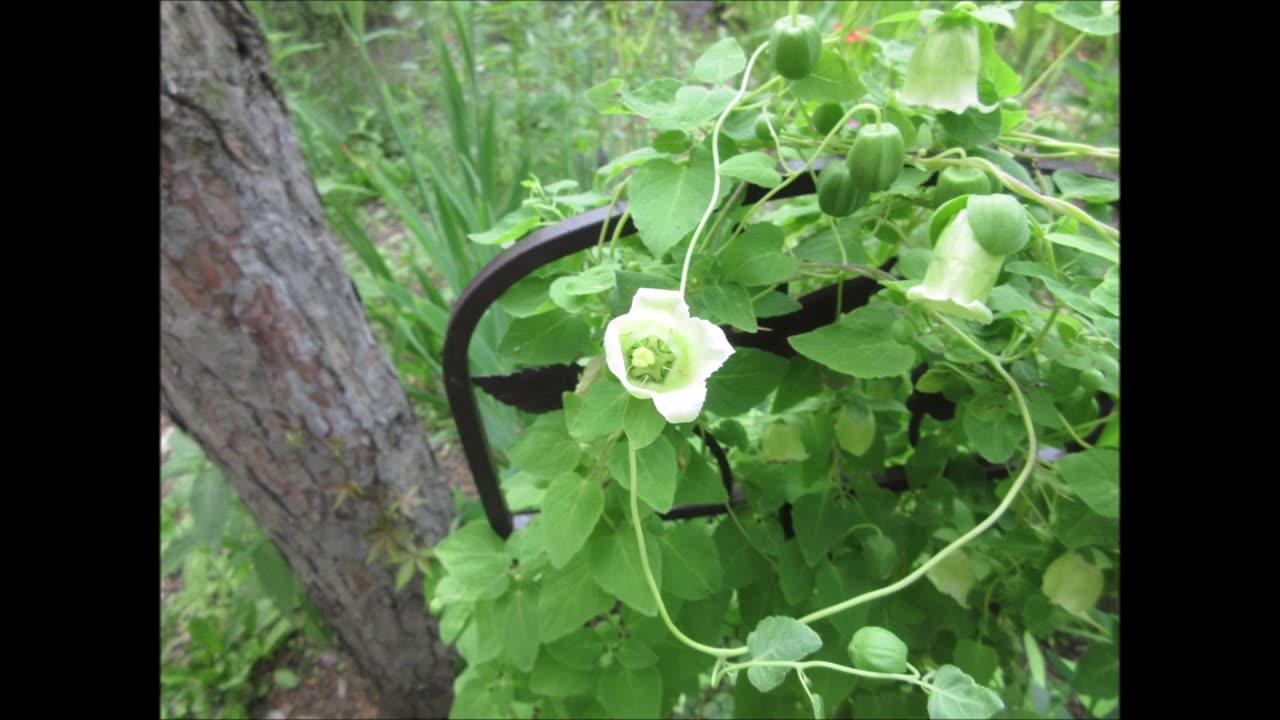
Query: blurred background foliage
[{"x": 425, "y": 122}]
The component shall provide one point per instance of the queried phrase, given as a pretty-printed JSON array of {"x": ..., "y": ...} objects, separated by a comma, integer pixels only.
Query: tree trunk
[{"x": 268, "y": 361}]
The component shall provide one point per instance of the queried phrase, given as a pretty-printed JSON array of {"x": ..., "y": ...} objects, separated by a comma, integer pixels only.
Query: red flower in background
[{"x": 858, "y": 35}]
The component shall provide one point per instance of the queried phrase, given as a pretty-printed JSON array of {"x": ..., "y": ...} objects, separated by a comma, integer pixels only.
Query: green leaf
[
  {"x": 673, "y": 142},
  {"x": 518, "y": 613},
  {"x": 756, "y": 257},
  {"x": 210, "y": 505},
  {"x": 695, "y": 105},
  {"x": 667, "y": 201},
  {"x": 634, "y": 654},
  {"x": 616, "y": 566},
  {"x": 631, "y": 693},
  {"x": 800, "y": 383},
  {"x": 993, "y": 15},
  {"x": 720, "y": 62},
  {"x": 972, "y": 127},
  {"x": 552, "y": 678},
  {"x": 569, "y": 597},
  {"x": 954, "y": 576},
  {"x": 819, "y": 522},
  {"x": 628, "y": 282},
  {"x": 861, "y": 344},
  {"x": 571, "y": 508},
  {"x": 1091, "y": 245},
  {"x": 513, "y": 226},
  {"x": 275, "y": 577},
  {"x": 997, "y": 439},
  {"x": 981, "y": 660},
  {"x": 1094, "y": 475},
  {"x": 1098, "y": 672},
  {"x": 527, "y": 297},
  {"x": 774, "y": 304},
  {"x": 690, "y": 562},
  {"x": 742, "y": 563},
  {"x": 829, "y": 81},
  {"x": 1075, "y": 186},
  {"x": 642, "y": 422},
  {"x": 1077, "y": 526},
  {"x": 544, "y": 449},
  {"x": 549, "y": 338},
  {"x": 477, "y": 559},
  {"x": 1073, "y": 583},
  {"x": 655, "y": 468},
  {"x": 753, "y": 167},
  {"x": 824, "y": 245},
  {"x": 568, "y": 291},
  {"x": 956, "y": 695},
  {"x": 728, "y": 303},
  {"x": 795, "y": 577},
  {"x": 1087, "y": 17},
  {"x": 744, "y": 381},
  {"x": 779, "y": 638},
  {"x": 604, "y": 97},
  {"x": 602, "y": 409},
  {"x": 654, "y": 99},
  {"x": 1107, "y": 295}
]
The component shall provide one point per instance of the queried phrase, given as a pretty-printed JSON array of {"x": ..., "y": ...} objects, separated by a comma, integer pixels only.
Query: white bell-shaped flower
[
  {"x": 961, "y": 274},
  {"x": 658, "y": 351},
  {"x": 943, "y": 71}
]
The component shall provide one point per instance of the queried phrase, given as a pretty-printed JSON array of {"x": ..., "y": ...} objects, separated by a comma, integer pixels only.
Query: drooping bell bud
[{"x": 961, "y": 274}]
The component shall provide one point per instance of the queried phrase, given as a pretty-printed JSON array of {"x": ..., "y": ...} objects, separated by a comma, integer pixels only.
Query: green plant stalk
[
  {"x": 1064, "y": 208},
  {"x": 742, "y": 224},
  {"x": 804, "y": 665},
  {"x": 715, "y": 156},
  {"x": 1066, "y": 53},
  {"x": 648, "y": 571},
  {"x": 1079, "y": 148},
  {"x": 980, "y": 527},
  {"x": 1039, "y": 338}
]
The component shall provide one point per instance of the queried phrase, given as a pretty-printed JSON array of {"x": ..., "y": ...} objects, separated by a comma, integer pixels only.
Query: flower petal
[
  {"x": 683, "y": 405},
  {"x": 613, "y": 357},
  {"x": 708, "y": 348},
  {"x": 667, "y": 302}
]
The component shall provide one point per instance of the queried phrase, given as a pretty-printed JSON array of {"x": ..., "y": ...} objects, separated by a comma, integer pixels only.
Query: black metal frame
[
  {"x": 561, "y": 240},
  {"x": 510, "y": 267}
]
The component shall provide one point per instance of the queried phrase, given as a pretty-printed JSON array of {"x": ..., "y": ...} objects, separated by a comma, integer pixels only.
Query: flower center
[{"x": 650, "y": 360}]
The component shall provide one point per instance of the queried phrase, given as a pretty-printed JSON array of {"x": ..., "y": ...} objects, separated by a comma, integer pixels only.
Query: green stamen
[{"x": 650, "y": 360}]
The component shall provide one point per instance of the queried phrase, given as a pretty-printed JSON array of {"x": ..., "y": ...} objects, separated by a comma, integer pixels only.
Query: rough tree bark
[{"x": 267, "y": 358}]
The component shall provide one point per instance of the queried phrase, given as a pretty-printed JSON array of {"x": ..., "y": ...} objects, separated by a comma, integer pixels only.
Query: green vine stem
[
  {"x": 980, "y": 527},
  {"x": 648, "y": 572},
  {"x": 715, "y": 156},
  {"x": 806, "y": 664},
  {"x": 742, "y": 224},
  {"x": 1108, "y": 233},
  {"x": 1078, "y": 148}
]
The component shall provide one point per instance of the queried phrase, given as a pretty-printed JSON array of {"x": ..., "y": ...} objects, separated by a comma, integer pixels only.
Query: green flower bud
[{"x": 878, "y": 650}]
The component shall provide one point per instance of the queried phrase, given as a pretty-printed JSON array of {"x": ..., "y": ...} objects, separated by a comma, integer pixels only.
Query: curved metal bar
[
  {"x": 513, "y": 265},
  {"x": 510, "y": 267}
]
